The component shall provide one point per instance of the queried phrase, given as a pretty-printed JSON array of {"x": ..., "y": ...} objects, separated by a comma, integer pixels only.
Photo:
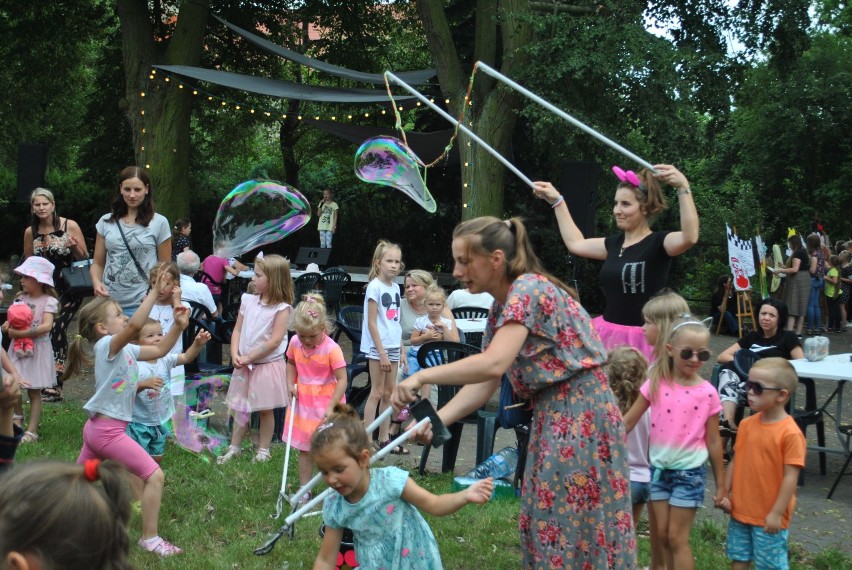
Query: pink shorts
[
  {"x": 614, "y": 335},
  {"x": 106, "y": 438}
]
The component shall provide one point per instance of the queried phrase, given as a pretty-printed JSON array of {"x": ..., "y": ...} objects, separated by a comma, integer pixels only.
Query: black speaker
[
  {"x": 32, "y": 164},
  {"x": 579, "y": 184}
]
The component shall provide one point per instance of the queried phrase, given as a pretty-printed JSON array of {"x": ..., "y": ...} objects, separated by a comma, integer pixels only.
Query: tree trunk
[
  {"x": 160, "y": 120},
  {"x": 493, "y": 110}
]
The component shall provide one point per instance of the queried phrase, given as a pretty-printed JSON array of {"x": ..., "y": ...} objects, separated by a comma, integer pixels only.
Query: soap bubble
[
  {"x": 387, "y": 161},
  {"x": 201, "y": 416},
  {"x": 256, "y": 213}
]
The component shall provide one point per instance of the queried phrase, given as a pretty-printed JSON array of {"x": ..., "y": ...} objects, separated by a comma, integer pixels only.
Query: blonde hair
[
  {"x": 781, "y": 370},
  {"x": 279, "y": 288},
  {"x": 382, "y": 247},
  {"x": 92, "y": 314},
  {"x": 435, "y": 292},
  {"x": 664, "y": 369},
  {"x": 149, "y": 323},
  {"x": 627, "y": 370},
  {"x": 343, "y": 428},
  {"x": 486, "y": 234},
  {"x": 421, "y": 277},
  {"x": 662, "y": 310},
  {"x": 169, "y": 267},
  {"x": 310, "y": 314}
]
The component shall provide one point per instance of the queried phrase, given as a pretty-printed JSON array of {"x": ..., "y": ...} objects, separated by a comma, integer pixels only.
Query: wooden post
[{"x": 744, "y": 310}]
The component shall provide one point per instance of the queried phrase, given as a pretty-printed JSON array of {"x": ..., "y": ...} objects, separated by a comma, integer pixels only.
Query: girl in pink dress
[
  {"x": 37, "y": 371},
  {"x": 316, "y": 374},
  {"x": 259, "y": 382}
]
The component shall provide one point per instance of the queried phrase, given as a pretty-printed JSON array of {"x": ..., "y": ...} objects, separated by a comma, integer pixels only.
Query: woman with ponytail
[{"x": 575, "y": 506}]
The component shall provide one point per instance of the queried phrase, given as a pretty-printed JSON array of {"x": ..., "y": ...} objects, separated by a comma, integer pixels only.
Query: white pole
[
  {"x": 464, "y": 129},
  {"x": 550, "y": 107}
]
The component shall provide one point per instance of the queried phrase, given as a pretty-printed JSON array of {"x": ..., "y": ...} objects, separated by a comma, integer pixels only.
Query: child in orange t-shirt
[{"x": 770, "y": 443}]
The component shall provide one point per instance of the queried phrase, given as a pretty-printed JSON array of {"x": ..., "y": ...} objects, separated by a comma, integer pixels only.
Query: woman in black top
[
  {"x": 798, "y": 288},
  {"x": 636, "y": 261},
  {"x": 767, "y": 341},
  {"x": 60, "y": 241}
]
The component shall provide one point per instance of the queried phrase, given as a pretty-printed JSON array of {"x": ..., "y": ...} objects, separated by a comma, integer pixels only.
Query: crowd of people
[{"x": 621, "y": 417}]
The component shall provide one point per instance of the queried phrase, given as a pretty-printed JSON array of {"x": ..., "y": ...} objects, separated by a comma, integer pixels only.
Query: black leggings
[{"x": 68, "y": 306}]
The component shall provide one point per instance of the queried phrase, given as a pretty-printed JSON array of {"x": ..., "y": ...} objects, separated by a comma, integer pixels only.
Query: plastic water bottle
[
  {"x": 502, "y": 488},
  {"x": 501, "y": 465}
]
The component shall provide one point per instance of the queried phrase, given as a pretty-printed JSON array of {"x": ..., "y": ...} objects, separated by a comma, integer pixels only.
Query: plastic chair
[
  {"x": 230, "y": 312},
  {"x": 349, "y": 320},
  {"x": 356, "y": 396},
  {"x": 744, "y": 358},
  {"x": 304, "y": 284},
  {"x": 333, "y": 283},
  {"x": 220, "y": 335},
  {"x": 443, "y": 352},
  {"x": 470, "y": 313},
  {"x": 811, "y": 415}
]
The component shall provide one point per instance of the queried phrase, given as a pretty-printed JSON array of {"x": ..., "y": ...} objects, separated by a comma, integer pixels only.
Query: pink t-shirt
[
  {"x": 215, "y": 267},
  {"x": 679, "y": 416}
]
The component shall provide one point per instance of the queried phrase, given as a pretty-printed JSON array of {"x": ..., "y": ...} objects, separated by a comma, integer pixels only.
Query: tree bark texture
[{"x": 160, "y": 120}]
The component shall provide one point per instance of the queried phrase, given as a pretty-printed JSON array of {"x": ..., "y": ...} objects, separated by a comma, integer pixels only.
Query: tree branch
[{"x": 556, "y": 7}]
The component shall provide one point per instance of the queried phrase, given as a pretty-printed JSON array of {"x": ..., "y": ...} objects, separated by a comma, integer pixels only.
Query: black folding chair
[
  {"x": 333, "y": 283},
  {"x": 443, "y": 352}
]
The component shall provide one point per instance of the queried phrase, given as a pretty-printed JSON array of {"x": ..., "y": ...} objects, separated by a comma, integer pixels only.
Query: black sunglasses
[
  {"x": 758, "y": 388},
  {"x": 703, "y": 355}
]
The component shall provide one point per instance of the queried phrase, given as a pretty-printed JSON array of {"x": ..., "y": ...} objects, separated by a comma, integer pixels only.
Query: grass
[{"x": 220, "y": 514}]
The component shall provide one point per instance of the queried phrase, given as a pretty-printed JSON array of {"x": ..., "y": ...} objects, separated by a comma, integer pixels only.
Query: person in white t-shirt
[
  {"x": 188, "y": 263},
  {"x": 464, "y": 298}
]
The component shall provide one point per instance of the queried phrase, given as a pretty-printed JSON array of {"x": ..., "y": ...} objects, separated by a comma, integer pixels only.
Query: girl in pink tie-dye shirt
[{"x": 684, "y": 433}]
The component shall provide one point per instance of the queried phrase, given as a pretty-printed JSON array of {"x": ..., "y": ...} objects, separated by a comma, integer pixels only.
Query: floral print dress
[{"x": 575, "y": 502}]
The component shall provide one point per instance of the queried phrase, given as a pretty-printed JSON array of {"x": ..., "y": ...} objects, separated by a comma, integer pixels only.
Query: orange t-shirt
[{"x": 760, "y": 454}]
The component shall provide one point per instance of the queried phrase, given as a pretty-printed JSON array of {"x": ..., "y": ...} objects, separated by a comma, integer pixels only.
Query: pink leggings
[{"x": 105, "y": 438}]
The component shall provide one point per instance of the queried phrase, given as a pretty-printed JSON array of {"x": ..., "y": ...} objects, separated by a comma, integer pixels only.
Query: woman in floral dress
[{"x": 575, "y": 506}]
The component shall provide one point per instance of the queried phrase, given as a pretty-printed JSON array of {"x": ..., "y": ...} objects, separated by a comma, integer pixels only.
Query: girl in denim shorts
[{"x": 684, "y": 433}]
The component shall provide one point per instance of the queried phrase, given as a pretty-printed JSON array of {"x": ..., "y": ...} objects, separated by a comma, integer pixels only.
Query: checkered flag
[{"x": 741, "y": 259}]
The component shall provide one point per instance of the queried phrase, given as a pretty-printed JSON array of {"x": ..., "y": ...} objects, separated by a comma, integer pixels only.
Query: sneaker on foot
[{"x": 159, "y": 546}]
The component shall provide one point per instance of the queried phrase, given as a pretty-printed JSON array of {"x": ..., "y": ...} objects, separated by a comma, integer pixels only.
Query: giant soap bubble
[
  {"x": 387, "y": 161},
  {"x": 256, "y": 213}
]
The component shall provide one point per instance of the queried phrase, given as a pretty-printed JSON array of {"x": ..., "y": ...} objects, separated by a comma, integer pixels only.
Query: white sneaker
[{"x": 232, "y": 452}]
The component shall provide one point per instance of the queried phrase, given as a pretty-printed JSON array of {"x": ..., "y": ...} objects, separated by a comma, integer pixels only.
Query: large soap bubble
[
  {"x": 256, "y": 213},
  {"x": 387, "y": 161}
]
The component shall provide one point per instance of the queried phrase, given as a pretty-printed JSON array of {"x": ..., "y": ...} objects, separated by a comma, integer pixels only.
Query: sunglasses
[
  {"x": 758, "y": 388},
  {"x": 703, "y": 355}
]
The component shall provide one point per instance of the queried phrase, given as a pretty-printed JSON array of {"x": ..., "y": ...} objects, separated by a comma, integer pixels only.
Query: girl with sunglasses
[{"x": 684, "y": 432}]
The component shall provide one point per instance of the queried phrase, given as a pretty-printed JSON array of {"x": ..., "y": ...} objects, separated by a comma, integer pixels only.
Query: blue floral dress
[
  {"x": 390, "y": 534},
  {"x": 575, "y": 502}
]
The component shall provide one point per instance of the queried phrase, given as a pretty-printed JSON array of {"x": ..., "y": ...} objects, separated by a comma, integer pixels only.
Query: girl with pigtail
[{"x": 316, "y": 376}]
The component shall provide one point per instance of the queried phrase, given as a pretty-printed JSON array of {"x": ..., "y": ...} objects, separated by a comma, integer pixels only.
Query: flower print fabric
[
  {"x": 575, "y": 503},
  {"x": 389, "y": 533}
]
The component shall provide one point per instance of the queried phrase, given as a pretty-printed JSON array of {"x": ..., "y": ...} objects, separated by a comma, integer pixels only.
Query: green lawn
[{"x": 220, "y": 514}]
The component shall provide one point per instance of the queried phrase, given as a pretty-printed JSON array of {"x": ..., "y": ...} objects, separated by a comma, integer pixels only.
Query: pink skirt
[
  {"x": 614, "y": 335},
  {"x": 263, "y": 387}
]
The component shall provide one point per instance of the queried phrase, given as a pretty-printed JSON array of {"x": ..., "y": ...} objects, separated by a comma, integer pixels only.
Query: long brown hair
[
  {"x": 146, "y": 210},
  {"x": 487, "y": 234},
  {"x": 41, "y": 501},
  {"x": 649, "y": 194}
]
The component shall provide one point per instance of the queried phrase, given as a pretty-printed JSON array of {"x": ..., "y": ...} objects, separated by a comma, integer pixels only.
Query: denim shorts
[
  {"x": 749, "y": 542},
  {"x": 680, "y": 487},
  {"x": 640, "y": 492},
  {"x": 151, "y": 438}
]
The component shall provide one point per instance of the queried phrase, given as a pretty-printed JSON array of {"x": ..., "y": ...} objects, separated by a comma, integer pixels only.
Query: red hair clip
[{"x": 90, "y": 469}]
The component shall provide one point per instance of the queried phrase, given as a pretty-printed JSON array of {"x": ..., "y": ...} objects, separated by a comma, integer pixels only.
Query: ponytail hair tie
[{"x": 90, "y": 469}]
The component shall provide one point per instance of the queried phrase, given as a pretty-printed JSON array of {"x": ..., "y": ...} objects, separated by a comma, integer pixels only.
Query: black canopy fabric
[
  {"x": 427, "y": 146},
  {"x": 411, "y": 77},
  {"x": 283, "y": 89}
]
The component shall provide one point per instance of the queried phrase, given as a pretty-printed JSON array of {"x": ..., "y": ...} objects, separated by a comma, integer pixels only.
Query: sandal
[
  {"x": 262, "y": 456},
  {"x": 397, "y": 449},
  {"x": 29, "y": 437},
  {"x": 51, "y": 395},
  {"x": 232, "y": 452},
  {"x": 726, "y": 429}
]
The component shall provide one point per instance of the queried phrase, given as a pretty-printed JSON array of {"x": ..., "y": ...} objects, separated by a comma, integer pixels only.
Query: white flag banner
[{"x": 741, "y": 260}]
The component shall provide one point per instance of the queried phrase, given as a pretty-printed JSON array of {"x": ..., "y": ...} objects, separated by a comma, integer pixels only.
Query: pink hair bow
[{"x": 627, "y": 176}]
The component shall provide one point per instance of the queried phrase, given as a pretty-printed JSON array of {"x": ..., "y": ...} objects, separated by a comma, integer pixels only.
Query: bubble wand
[
  {"x": 554, "y": 109},
  {"x": 464, "y": 129}
]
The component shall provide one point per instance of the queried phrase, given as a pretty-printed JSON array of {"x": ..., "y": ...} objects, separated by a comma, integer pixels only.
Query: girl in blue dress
[{"x": 378, "y": 505}]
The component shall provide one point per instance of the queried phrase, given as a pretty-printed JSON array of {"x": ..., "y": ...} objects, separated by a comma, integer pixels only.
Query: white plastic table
[{"x": 835, "y": 369}]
